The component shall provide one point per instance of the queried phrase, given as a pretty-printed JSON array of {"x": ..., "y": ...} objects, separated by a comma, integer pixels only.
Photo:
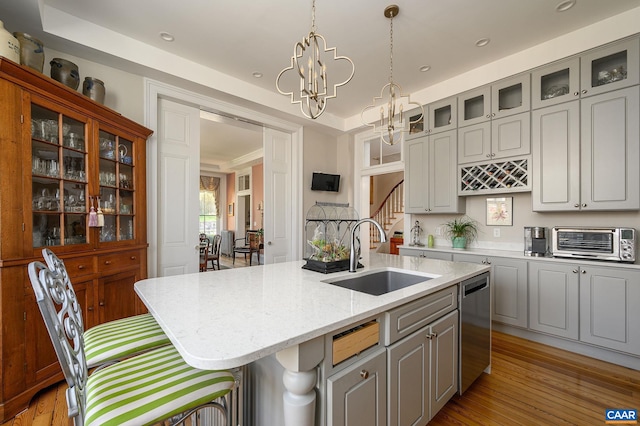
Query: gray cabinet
[
  {"x": 442, "y": 115},
  {"x": 509, "y": 284},
  {"x": 423, "y": 372},
  {"x": 500, "y": 138},
  {"x": 555, "y": 83},
  {"x": 357, "y": 395},
  {"x": 586, "y": 152},
  {"x": 610, "y": 67},
  {"x": 429, "y": 254},
  {"x": 553, "y": 298},
  {"x": 430, "y": 175},
  {"x": 609, "y": 314}
]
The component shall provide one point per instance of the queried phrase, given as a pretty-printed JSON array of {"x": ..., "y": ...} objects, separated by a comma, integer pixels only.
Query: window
[
  {"x": 209, "y": 193},
  {"x": 208, "y": 214}
]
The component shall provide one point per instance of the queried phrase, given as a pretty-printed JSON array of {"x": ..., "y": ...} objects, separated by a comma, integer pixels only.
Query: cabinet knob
[
  {"x": 493, "y": 114},
  {"x": 488, "y": 262},
  {"x": 576, "y": 93},
  {"x": 488, "y": 115},
  {"x": 584, "y": 204},
  {"x": 575, "y": 271},
  {"x": 133, "y": 258},
  {"x": 584, "y": 91},
  {"x": 431, "y": 336},
  {"x": 268, "y": 243},
  {"x": 488, "y": 155},
  {"x": 80, "y": 266},
  {"x": 583, "y": 271},
  {"x": 101, "y": 303},
  {"x": 576, "y": 205},
  {"x": 90, "y": 309},
  {"x": 364, "y": 374},
  {"x": 107, "y": 262}
]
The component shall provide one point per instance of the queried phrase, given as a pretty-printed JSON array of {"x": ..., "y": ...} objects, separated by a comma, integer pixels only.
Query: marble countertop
[
  {"x": 229, "y": 318},
  {"x": 520, "y": 255}
]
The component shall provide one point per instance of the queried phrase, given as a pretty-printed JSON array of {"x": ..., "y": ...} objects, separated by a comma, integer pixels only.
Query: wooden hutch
[{"x": 60, "y": 152}]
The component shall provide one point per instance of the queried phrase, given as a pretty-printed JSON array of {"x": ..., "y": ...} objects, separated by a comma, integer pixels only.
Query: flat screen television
[{"x": 325, "y": 182}]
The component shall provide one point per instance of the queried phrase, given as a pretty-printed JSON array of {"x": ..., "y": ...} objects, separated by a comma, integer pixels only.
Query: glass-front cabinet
[
  {"x": 611, "y": 67},
  {"x": 82, "y": 178},
  {"x": 59, "y": 178},
  {"x": 555, "y": 83}
]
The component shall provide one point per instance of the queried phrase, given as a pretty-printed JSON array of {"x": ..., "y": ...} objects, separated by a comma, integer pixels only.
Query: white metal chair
[
  {"x": 140, "y": 390},
  {"x": 114, "y": 340}
]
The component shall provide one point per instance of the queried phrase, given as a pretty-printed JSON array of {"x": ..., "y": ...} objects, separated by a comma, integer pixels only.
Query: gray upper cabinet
[
  {"x": 511, "y": 96},
  {"x": 610, "y": 68},
  {"x": 475, "y": 106},
  {"x": 555, "y": 83},
  {"x": 417, "y": 123},
  {"x": 430, "y": 175},
  {"x": 443, "y": 115},
  {"x": 586, "y": 153}
]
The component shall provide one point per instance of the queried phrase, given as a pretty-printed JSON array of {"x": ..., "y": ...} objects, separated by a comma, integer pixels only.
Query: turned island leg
[{"x": 299, "y": 380}]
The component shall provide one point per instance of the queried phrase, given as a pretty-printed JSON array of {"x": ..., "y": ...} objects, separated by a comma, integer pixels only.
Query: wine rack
[{"x": 512, "y": 175}]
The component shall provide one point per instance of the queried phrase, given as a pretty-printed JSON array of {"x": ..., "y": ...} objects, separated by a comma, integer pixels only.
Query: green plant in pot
[{"x": 461, "y": 231}]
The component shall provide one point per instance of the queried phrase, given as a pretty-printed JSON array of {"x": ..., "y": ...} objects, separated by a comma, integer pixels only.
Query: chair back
[
  {"x": 56, "y": 264},
  {"x": 204, "y": 253},
  {"x": 215, "y": 245},
  {"x": 62, "y": 316}
]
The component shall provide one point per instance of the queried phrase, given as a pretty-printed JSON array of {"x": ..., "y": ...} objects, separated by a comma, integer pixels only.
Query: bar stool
[
  {"x": 140, "y": 390},
  {"x": 114, "y": 340}
]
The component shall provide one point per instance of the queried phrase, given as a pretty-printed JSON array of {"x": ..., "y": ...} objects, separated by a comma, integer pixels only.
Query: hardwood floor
[{"x": 530, "y": 384}]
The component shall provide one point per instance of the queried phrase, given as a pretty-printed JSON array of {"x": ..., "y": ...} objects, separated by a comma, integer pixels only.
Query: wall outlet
[
  {"x": 496, "y": 232},
  {"x": 438, "y": 231}
]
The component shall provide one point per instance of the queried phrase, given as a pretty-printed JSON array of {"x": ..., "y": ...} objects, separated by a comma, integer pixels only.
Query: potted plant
[{"x": 462, "y": 231}]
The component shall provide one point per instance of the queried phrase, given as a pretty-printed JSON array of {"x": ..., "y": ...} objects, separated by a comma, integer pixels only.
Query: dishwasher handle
[{"x": 473, "y": 287}]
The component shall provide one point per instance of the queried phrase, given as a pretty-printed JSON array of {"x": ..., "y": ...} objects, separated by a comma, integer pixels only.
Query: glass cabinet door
[
  {"x": 416, "y": 122},
  {"x": 58, "y": 178},
  {"x": 443, "y": 115},
  {"x": 610, "y": 68},
  {"x": 117, "y": 189},
  {"x": 511, "y": 96},
  {"x": 475, "y": 106},
  {"x": 555, "y": 83}
]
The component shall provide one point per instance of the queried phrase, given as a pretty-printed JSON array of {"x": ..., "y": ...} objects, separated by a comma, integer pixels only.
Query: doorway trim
[{"x": 154, "y": 90}]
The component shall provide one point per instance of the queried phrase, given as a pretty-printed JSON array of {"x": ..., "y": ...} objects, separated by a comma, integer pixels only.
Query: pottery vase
[
  {"x": 31, "y": 51},
  {"x": 94, "y": 89},
  {"x": 66, "y": 72},
  {"x": 459, "y": 242},
  {"x": 9, "y": 45}
]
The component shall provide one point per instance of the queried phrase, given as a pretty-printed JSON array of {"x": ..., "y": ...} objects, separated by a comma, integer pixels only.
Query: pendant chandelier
[
  {"x": 309, "y": 60},
  {"x": 395, "y": 124}
]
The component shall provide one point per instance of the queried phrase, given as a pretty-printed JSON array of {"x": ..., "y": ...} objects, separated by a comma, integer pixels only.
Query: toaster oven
[{"x": 614, "y": 244}]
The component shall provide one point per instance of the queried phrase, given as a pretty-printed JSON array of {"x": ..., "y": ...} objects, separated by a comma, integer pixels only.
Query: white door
[
  {"x": 278, "y": 176},
  {"x": 178, "y": 188}
]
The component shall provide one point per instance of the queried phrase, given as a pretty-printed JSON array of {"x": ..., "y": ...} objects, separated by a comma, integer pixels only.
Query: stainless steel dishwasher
[{"x": 475, "y": 329}]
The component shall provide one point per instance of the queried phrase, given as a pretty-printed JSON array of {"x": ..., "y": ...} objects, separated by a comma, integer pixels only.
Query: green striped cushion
[
  {"x": 122, "y": 338},
  {"x": 150, "y": 387}
]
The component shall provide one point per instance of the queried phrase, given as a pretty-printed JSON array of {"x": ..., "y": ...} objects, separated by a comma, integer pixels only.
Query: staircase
[{"x": 390, "y": 212}]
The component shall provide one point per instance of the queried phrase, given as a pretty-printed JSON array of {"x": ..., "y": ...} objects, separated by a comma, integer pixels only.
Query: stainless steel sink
[{"x": 379, "y": 282}]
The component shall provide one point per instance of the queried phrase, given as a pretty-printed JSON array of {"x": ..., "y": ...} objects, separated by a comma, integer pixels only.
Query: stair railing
[{"x": 386, "y": 213}]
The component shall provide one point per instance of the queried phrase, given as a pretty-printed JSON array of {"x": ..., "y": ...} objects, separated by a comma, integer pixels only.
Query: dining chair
[
  {"x": 205, "y": 246},
  {"x": 141, "y": 390},
  {"x": 112, "y": 341},
  {"x": 248, "y": 246},
  {"x": 214, "y": 256}
]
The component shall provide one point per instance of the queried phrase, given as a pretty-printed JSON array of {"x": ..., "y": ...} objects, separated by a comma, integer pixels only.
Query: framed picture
[
  {"x": 230, "y": 212},
  {"x": 500, "y": 211}
]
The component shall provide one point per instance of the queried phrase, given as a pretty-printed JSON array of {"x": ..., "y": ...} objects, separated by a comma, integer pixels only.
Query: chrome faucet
[{"x": 353, "y": 257}]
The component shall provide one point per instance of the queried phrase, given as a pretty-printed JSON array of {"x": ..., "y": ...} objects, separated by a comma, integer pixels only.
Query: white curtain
[{"x": 210, "y": 183}]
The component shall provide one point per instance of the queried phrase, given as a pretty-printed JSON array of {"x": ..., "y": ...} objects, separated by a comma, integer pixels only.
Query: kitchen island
[{"x": 231, "y": 318}]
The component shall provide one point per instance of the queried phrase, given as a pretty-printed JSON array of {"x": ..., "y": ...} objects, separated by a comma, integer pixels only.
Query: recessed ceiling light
[
  {"x": 167, "y": 36},
  {"x": 482, "y": 42},
  {"x": 425, "y": 68},
  {"x": 565, "y": 5},
  {"x": 257, "y": 74}
]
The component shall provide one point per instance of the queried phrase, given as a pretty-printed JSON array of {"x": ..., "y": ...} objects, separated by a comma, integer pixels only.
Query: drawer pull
[
  {"x": 90, "y": 309},
  {"x": 133, "y": 258},
  {"x": 431, "y": 336},
  {"x": 107, "y": 262},
  {"x": 81, "y": 266},
  {"x": 364, "y": 374},
  {"x": 101, "y": 303}
]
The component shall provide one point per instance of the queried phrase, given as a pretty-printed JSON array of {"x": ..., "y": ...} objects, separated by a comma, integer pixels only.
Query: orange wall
[
  {"x": 257, "y": 183},
  {"x": 231, "y": 199}
]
